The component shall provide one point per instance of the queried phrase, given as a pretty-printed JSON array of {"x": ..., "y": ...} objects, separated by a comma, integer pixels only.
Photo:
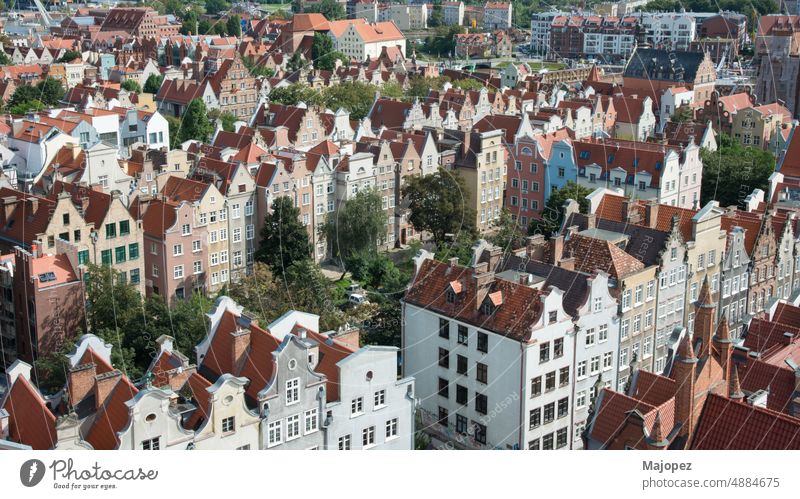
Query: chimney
[
  {"x": 9, "y": 203},
  {"x": 239, "y": 347},
  {"x": 495, "y": 254},
  {"x": 36, "y": 249},
  {"x": 104, "y": 384},
  {"x": 483, "y": 281},
  {"x": 556, "y": 249},
  {"x": 535, "y": 247},
  {"x": 684, "y": 372},
  {"x": 591, "y": 220},
  {"x": 629, "y": 212},
  {"x": 651, "y": 214},
  {"x": 81, "y": 382},
  {"x": 33, "y": 205},
  {"x": 453, "y": 261}
]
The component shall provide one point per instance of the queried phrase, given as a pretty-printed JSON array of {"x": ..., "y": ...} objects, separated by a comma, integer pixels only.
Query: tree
[
  {"x": 4, "y": 59},
  {"x": 234, "y": 26},
  {"x": 195, "y": 124},
  {"x": 732, "y": 172},
  {"x": 214, "y": 7},
  {"x": 553, "y": 213},
  {"x": 469, "y": 84},
  {"x": 69, "y": 56},
  {"x": 295, "y": 93},
  {"x": 256, "y": 69},
  {"x": 508, "y": 235},
  {"x": 331, "y": 9},
  {"x": 51, "y": 91},
  {"x": 114, "y": 308},
  {"x": 323, "y": 54},
  {"x": 437, "y": 205},
  {"x": 153, "y": 83},
  {"x": 189, "y": 24},
  {"x": 681, "y": 115},
  {"x": 354, "y": 96},
  {"x": 392, "y": 90},
  {"x": 131, "y": 86},
  {"x": 442, "y": 42},
  {"x": 295, "y": 63},
  {"x": 383, "y": 328},
  {"x": 174, "y": 131},
  {"x": 48, "y": 92},
  {"x": 284, "y": 239},
  {"x": 419, "y": 86},
  {"x": 357, "y": 226}
]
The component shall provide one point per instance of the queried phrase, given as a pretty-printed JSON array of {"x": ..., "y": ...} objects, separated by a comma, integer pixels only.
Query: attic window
[
  {"x": 584, "y": 155},
  {"x": 451, "y": 296},
  {"x": 487, "y": 308}
]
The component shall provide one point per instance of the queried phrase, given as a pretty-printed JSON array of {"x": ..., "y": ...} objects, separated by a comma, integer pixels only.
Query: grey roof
[
  {"x": 572, "y": 283},
  {"x": 668, "y": 65},
  {"x": 643, "y": 243}
]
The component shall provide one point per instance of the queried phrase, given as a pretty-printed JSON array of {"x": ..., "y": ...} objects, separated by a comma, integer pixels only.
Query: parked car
[{"x": 357, "y": 299}]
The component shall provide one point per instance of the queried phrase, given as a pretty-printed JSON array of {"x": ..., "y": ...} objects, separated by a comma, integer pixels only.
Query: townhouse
[
  {"x": 360, "y": 40},
  {"x": 666, "y": 174},
  {"x": 487, "y": 354},
  {"x": 210, "y": 211}
]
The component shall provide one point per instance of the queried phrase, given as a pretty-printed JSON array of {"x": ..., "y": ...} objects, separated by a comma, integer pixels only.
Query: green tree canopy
[
  {"x": 234, "y": 25},
  {"x": 354, "y": 96},
  {"x": 284, "y": 239},
  {"x": 131, "y": 86},
  {"x": 357, "y": 226},
  {"x": 153, "y": 83},
  {"x": 553, "y": 213},
  {"x": 323, "y": 54},
  {"x": 69, "y": 56},
  {"x": 437, "y": 204},
  {"x": 732, "y": 172},
  {"x": 195, "y": 123},
  {"x": 216, "y": 6},
  {"x": 331, "y": 9},
  {"x": 468, "y": 84}
]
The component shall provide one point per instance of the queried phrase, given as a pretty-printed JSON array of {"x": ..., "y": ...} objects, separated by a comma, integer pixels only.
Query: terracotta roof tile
[{"x": 30, "y": 421}]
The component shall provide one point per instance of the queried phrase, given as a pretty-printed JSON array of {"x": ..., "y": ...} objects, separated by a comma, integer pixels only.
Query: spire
[
  {"x": 594, "y": 74},
  {"x": 704, "y": 300},
  {"x": 686, "y": 350},
  {"x": 723, "y": 331},
  {"x": 655, "y": 439},
  {"x": 734, "y": 387}
]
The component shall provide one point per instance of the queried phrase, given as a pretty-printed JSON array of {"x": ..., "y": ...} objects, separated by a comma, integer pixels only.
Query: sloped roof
[
  {"x": 515, "y": 318},
  {"x": 728, "y": 425},
  {"x": 30, "y": 421},
  {"x": 596, "y": 254}
]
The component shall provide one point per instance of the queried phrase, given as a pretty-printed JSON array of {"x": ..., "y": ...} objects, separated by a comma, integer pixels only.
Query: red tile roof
[
  {"x": 30, "y": 421},
  {"x": 596, "y": 254},
  {"x": 515, "y": 318},
  {"x": 726, "y": 424},
  {"x": 112, "y": 417}
]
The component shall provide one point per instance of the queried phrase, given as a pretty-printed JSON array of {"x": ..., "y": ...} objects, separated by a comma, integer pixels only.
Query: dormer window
[
  {"x": 487, "y": 308},
  {"x": 450, "y": 295}
]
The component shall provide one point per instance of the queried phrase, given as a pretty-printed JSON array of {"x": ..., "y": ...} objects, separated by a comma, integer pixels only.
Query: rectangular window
[
  {"x": 119, "y": 254},
  {"x": 344, "y": 442},
  {"x": 549, "y": 412},
  {"x": 151, "y": 444},
  {"x": 483, "y": 342},
  {"x": 292, "y": 391},
  {"x": 461, "y": 364},
  {"x": 550, "y": 381},
  {"x": 368, "y": 436},
  {"x": 563, "y": 376},
  {"x": 293, "y": 427},
  {"x": 444, "y": 388},
  {"x": 228, "y": 425},
  {"x": 544, "y": 352},
  {"x": 536, "y": 386},
  {"x": 444, "y": 328},
  {"x": 133, "y": 251},
  {"x": 274, "y": 433},
  {"x": 563, "y": 407},
  {"x": 482, "y": 373},
  {"x": 462, "y": 335},
  {"x": 311, "y": 421},
  {"x": 391, "y": 428},
  {"x": 558, "y": 348},
  {"x": 177, "y": 272},
  {"x": 481, "y": 403},
  {"x": 444, "y": 357},
  {"x": 462, "y": 394},
  {"x": 534, "y": 418},
  {"x": 357, "y": 406},
  {"x": 111, "y": 231},
  {"x": 124, "y": 228},
  {"x": 380, "y": 398}
]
